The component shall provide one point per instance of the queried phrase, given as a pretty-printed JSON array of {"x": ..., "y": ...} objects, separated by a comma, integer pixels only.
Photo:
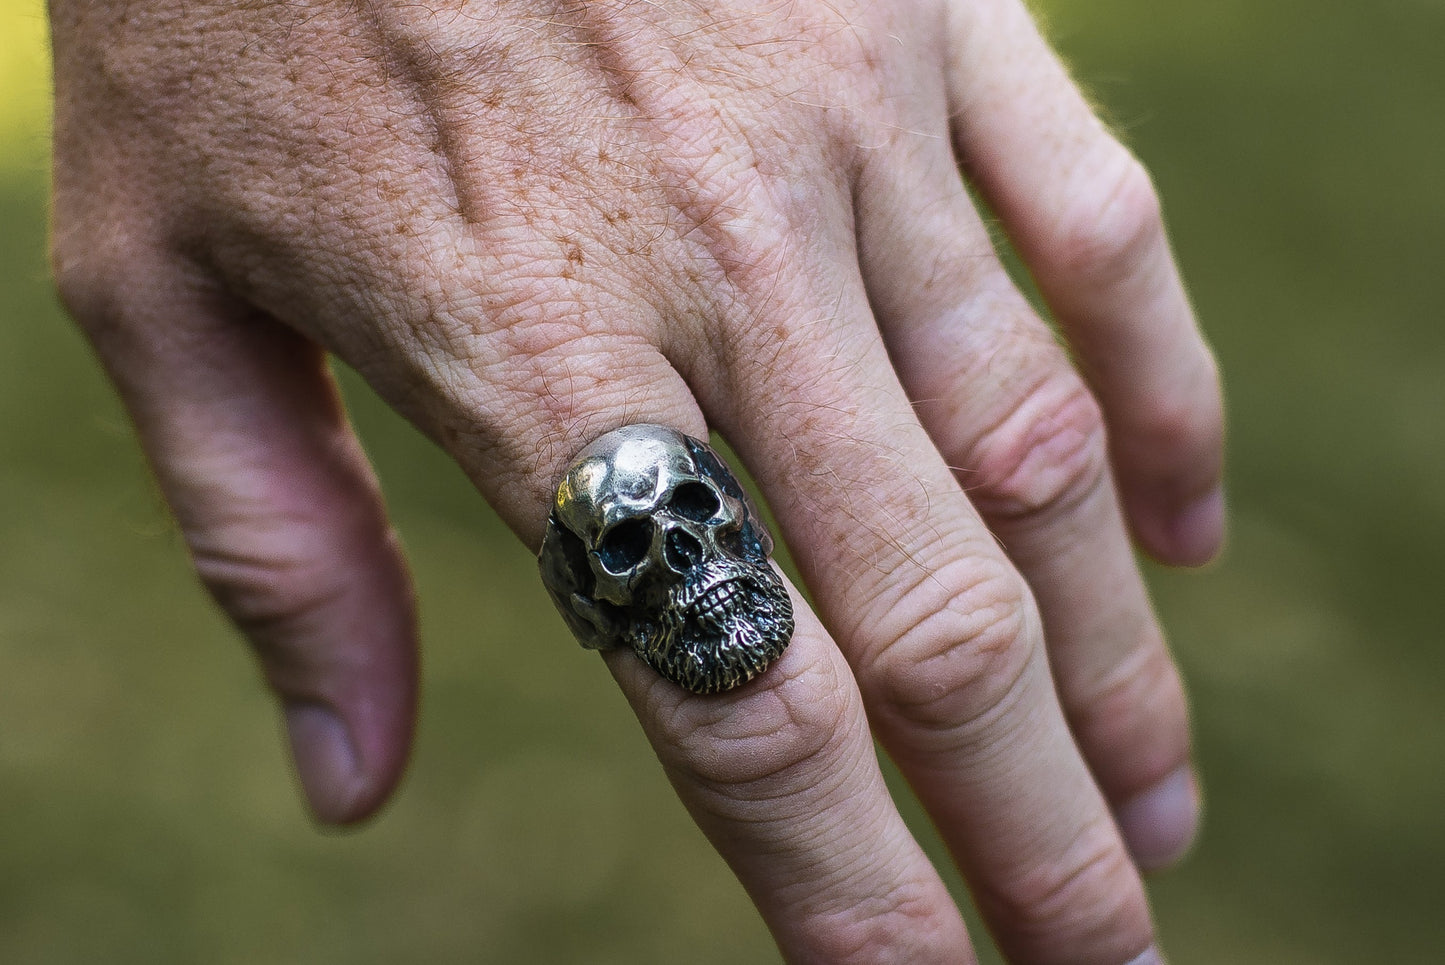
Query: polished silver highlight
[{"x": 652, "y": 544}]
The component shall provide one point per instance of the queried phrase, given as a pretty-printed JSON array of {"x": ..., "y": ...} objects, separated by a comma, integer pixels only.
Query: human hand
[{"x": 526, "y": 224}]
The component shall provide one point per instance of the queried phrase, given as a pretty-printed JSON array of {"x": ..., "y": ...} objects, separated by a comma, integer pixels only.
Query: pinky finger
[
  {"x": 246, "y": 435},
  {"x": 1084, "y": 216}
]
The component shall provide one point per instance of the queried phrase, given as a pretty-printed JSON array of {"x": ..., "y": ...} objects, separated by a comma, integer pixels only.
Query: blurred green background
[{"x": 146, "y": 810}]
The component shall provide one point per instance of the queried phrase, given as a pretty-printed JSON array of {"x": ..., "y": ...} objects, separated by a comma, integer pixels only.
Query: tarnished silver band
[{"x": 652, "y": 544}]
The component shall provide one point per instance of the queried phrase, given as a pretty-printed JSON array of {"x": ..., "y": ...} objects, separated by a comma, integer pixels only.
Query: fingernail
[
  {"x": 1197, "y": 530},
  {"x": 1159, "y": 825},
  {"x": 1151, "y": 957},
  {"x": 327, "y": 763}
]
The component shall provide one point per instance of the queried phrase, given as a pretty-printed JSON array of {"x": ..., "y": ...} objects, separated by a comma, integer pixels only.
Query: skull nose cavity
[{"x": 683, "y": 551}]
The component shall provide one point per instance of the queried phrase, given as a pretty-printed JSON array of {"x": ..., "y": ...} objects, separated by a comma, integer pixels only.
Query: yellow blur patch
[{"x": 24, "y": 86}]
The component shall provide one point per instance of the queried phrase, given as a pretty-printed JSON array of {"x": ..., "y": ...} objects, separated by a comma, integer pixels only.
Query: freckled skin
[{"x": 529, "y": 222}]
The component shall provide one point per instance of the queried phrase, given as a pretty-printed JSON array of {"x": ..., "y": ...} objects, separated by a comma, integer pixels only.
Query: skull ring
[{"x": 652, "y": 544}]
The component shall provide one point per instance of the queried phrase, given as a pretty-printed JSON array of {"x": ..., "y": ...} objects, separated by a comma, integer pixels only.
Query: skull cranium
[{"x": 652, "y": 544}]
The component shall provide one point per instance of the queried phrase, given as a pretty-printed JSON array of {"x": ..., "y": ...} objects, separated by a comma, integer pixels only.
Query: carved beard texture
[{"x": 719, "y": 629}]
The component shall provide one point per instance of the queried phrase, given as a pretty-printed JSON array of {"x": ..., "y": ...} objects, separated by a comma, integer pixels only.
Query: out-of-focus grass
[{"x": 147, "y": 814}]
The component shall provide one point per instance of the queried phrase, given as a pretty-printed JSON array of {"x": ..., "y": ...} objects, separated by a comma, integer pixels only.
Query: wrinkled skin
[{"x": 526, "y": 223}]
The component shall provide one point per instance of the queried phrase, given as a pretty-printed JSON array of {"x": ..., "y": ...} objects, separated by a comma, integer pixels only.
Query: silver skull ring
[{"x": 652, "y": 544}]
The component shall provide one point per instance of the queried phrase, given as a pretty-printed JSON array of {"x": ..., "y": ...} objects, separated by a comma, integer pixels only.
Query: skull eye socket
[
  {"x": 625, "y": 544},
  {"x": 694, "y": 501}
]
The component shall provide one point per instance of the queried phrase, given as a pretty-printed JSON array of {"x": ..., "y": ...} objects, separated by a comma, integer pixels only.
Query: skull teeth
[{"x": 717, "y": 603}]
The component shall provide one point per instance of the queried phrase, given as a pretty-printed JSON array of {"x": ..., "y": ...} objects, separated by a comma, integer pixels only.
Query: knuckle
[
  {"x": 102, "y": 260},
  {"x": 1141, "y": 707},
  {"x": 1116, "y": 221},
  {"x": 955, "y": 648},
  {"x": 873, "y": 930},
  {"x": 530, "y": 414},
  {"x": 1185, "y": 421},
  {"x": 577, "y": 379},
  {"x": 1044, "y": 457},
  {"x": 780, "y": 738},
  {"x": 80, "y": 280},
  {"x": 1090, "y": 897},
  {"x": 273, "y": 581},
  {"x": 264, "y": 592},
  {"x": 1172, "y": 430}
]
